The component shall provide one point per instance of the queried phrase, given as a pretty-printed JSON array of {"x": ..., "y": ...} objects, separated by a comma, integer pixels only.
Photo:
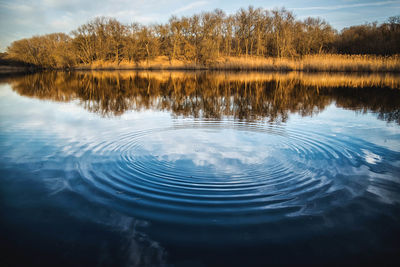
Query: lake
[{"x": 199, "y": 168}]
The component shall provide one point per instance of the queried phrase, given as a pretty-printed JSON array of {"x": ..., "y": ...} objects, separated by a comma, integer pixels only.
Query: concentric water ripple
[
  {"x": 225, "y": 172},
  {"x": 200, "y": 170}
]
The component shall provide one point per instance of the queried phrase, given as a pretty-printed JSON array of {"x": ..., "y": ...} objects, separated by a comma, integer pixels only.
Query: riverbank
[
  {"x": 314, "y": 63},
  {"x": 332, "y": 63},
  {"x": 14, "y": 69},
  {"x": 9, "y": 66}
]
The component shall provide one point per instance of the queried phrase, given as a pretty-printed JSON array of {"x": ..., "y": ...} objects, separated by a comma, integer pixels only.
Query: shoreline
[
  {"x": 5, "y": 69},
  {"x": 329, "y": 63},
  {"x": 173, "y": 69},
  {"x": 314, "y": 63}
]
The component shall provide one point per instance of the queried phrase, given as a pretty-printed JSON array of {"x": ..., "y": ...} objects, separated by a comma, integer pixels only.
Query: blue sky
[{"x": 24, "y": 18}]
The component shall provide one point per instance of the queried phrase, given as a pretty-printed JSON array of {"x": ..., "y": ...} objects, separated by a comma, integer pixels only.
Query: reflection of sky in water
[
  {"x": 69, "y": 120},
  {"x": 364, "y": 126},
  {"x": 222, "y": 148},
  {"x": 176, "y": 169}
]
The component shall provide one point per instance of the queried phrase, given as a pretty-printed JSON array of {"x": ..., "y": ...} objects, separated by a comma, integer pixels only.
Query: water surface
[{"x": 199, "y": 168}]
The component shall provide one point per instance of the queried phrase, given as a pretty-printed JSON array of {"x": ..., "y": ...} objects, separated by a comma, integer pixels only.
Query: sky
[{"x": 25, "y": 18}]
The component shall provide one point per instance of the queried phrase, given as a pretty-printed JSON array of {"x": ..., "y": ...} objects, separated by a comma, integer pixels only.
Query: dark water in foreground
[{"x": 199, "y": 169}]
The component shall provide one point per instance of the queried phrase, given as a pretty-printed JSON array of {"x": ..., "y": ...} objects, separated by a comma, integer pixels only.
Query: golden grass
[
  {"x": 356, "y": 63},
  {"x": 158, "y": 63},
  {"x": 312, "y": 63}
]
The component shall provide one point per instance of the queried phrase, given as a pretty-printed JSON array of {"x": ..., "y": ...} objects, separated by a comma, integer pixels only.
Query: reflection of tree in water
[
  {"x": 382, "y": 101},
  {"x": 248, "y": 96}
]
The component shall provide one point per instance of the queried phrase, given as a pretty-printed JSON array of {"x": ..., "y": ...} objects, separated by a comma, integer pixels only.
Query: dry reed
[{"x": 312, "y": 63}]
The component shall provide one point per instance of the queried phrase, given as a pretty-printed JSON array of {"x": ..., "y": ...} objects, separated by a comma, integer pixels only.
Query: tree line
[{"x": 204, "y": 37}]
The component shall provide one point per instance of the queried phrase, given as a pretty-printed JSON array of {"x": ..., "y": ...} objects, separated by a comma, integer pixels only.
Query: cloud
[
  {"x": 336, "y": 7},
  {"x": 190, "y": 6},
  {"x": 24, "y": 18},
  {"x": 226, "y": 151}
]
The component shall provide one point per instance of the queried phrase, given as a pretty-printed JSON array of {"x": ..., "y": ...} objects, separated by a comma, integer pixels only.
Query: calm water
[{"x": 199, "y": 169}]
